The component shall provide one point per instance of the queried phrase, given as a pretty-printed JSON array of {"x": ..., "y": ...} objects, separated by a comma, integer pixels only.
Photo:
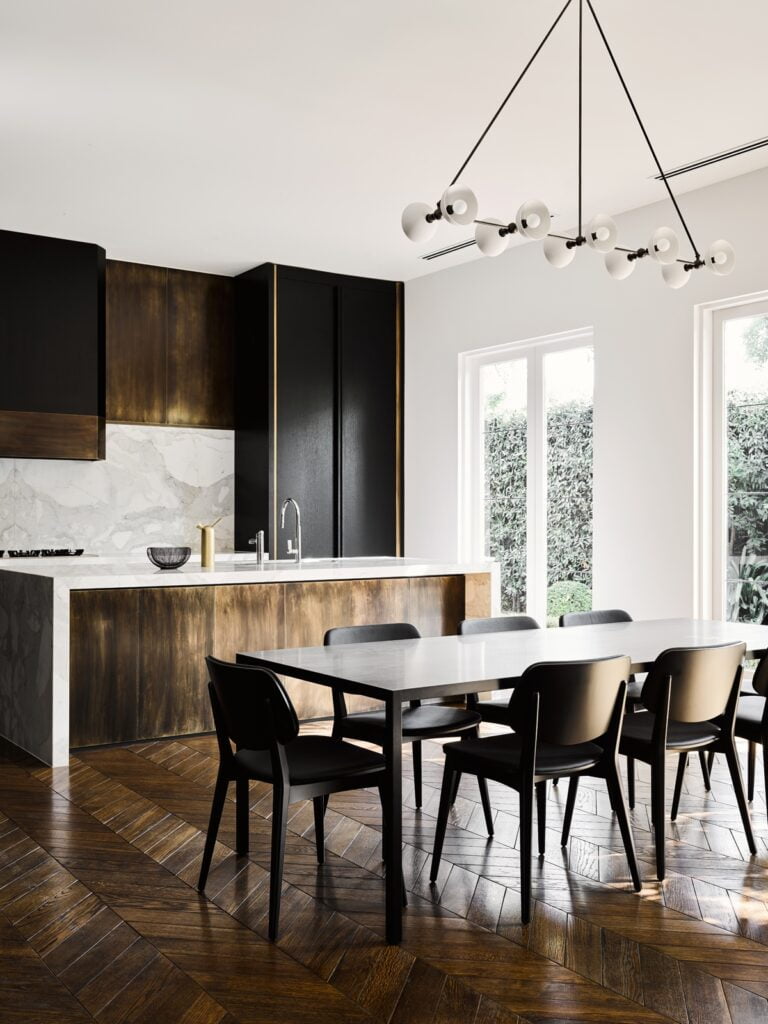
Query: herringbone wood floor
[{"x": 100, "y": 919}]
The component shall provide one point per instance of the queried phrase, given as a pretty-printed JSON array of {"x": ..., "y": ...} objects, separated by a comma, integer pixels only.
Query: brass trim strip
[
  {"x": 274, "y": 410},
  {"x": 398, "y": 426}
]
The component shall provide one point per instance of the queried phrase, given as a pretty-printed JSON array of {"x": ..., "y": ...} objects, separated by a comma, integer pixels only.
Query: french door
[
  {"x": 527, "y": 470},
  {"x": 740, "y": 462}
]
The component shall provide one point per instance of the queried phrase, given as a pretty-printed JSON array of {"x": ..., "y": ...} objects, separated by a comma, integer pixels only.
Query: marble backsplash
[{"x": 155, "y": 484}]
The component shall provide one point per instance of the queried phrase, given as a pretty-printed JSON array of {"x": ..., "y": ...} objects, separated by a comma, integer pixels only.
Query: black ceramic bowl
[{"x": 168, "y": 558}]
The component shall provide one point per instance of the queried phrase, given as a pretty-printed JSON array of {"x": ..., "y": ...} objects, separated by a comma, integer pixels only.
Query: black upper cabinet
[
  {"x": 52, "y": 340},
  {"x": 369, "y": 467},
  {"x": 318, "y": 411}
]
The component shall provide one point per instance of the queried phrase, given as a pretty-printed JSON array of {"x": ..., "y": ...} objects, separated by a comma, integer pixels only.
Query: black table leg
[{"x": 393, "y": 856}]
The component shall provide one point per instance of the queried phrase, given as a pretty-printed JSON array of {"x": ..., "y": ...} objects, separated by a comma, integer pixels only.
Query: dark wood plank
[
  {"x": 51, "y": 435},
  {"x": 136, "y": 342},
  {"x": 176, "y": 625},
  {"x": 104, "y": 666},
  {"x": 201, "y": 339}
]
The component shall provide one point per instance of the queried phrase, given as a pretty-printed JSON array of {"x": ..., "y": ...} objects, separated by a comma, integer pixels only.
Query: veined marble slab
[
  {"x": 155, "y": 484},
  {"x": 34, "y": 621}
]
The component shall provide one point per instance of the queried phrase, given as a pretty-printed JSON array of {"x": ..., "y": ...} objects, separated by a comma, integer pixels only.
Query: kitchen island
[{"x": 97, "y": 650}]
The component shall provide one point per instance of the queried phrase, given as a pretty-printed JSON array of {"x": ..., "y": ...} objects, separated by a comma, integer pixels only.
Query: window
[
  {"x": 527, "y": 470},
  {"x": 740, "y": 480}
]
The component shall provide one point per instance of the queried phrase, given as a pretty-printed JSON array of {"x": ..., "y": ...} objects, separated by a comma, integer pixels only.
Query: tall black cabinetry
[{"x": 318, "y": 410}]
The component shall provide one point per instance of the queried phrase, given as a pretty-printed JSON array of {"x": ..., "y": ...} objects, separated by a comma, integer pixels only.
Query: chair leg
[
  {"x": 526, "y": 828},
  {"x": 279, "y": 824},
  {"x": 319, "y": 805},
  {"x": 631, "y": 782},
  {"x": 242, "y": 812},
  {"x": 449, "y": 782},
  {"x": 485, "y": 800},
  {"x": 217, "y": 806},
  {"x": 416, "y": 751},
  {"x": 738, "y": 784},
  {"x": 555, "y": 781},
  {"x": 657, "y": 803},
  {"x": 570, "y": 803},
  {"x": 541, "y": 815},
  {"x": 682, "y": 761},
  {"x": 751, "y": 756},
  {"x": 705, "y": 771},
  {"x": 620, "y": 808},
  {"x": 710, "y": 763},
  {"x": 455, "y": 790}
]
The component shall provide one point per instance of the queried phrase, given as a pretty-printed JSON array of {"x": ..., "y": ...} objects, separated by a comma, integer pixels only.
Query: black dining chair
[
  {"x": 752, "y": 724},
  {"x": 253, "y": 712},
  {"x": 493, "y": 710},
  {"x": 691, "y": 695},
  {"x": 599, "y": 617},
  {"x": 566, "y": 718},
  {"x": 420, "y": 721}
]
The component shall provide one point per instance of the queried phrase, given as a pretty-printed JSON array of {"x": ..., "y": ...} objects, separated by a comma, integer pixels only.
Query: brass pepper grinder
[{"x": 208, "y": 543}]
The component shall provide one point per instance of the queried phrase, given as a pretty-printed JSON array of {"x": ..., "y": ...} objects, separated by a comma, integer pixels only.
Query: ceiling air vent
[{"x": 715, "y": 158}]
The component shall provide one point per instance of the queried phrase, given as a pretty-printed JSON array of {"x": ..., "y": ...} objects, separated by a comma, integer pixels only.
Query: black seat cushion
[
  {"x": 493, "y": 756},
  {"x": 637, "y": 729},
  {"x": 312, "y": 759},
  {"x": 749, "y": 718},
  {"x": 425, "y": 722}
]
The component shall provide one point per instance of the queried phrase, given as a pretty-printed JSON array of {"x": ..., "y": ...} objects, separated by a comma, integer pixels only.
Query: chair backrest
[
  {"x": 497, "y": 624},
  {"x": 577, "y": 699},
  {"x": 702, "y": 681},
  {"x": 597, "y": 617},
  {"x": 760, "y": 678},
  {"x": 370, "y": 634},
  {"x": 253, "y": 707}
]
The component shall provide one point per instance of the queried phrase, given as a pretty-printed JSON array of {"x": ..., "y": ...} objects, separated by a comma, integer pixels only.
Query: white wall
[{"x": 644, "y": 385}]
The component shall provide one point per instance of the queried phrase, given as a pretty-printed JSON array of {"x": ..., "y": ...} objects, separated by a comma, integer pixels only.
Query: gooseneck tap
[{"x": 294, "y": 548}]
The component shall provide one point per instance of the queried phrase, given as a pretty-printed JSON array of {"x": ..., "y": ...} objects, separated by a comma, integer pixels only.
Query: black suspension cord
[
  {"x": 581, "y": 23},
  {"x": 520, "y": 77},
  {"x": 642, "y": 129}
]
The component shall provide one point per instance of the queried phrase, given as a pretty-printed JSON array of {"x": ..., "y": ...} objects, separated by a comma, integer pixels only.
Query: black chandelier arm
[
  {"x": 506, "y": 99},
  {"x": 581, "y": 55},
  {"x": 643, "y": 130},
  {"x": 691, "y": 264}
]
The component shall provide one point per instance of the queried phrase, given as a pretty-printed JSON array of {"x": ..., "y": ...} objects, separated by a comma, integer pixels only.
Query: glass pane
[
  {"x": 568, "y": 383},
  {"x": 503, "y": 401},
  {"x": 745, "y": 359}
]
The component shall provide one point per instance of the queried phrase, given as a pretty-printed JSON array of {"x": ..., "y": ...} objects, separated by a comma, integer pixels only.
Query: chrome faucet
[{"x": 294, "y": 547}]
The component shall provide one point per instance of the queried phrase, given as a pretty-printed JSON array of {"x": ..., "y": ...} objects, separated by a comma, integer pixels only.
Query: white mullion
[{"x": 537, "y": 490}]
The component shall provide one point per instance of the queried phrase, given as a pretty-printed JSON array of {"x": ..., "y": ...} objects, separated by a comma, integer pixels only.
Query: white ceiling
[{"x": 219, "y": 134}]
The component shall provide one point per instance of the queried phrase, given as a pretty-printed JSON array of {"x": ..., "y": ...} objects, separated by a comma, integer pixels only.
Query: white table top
[{"x": 441, "y": 666}]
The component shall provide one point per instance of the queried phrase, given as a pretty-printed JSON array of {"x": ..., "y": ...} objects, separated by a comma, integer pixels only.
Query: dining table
[{"x": 447, "y": 667}]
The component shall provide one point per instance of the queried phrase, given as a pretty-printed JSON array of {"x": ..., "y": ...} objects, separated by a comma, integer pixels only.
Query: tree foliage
[
  {"x": 748, "y": 507},
  {"x": 756, "y": 340},
  {"x": 569, "y": 499}
]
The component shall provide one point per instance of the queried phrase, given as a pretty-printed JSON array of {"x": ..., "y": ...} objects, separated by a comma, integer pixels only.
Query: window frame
[
  {"x": 471, "y": 461},
  {"x": 711, "y": 460}
]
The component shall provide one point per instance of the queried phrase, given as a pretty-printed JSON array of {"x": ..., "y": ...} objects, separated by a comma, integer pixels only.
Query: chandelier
[{"x": 458, "y": 205}]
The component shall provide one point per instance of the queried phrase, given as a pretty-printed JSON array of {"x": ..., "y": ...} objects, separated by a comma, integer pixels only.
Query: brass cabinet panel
[
  {"x": 137, "y": 659},
  {"x": 136, "y": 342},
  {"x": 248, "y": 617},
  {"x": 201, "y": 349},
  {"x": 103, "y": 666},
  {"x": 176, "y": 634},
  {"x": 477, "y": 595},
  {"x": 436, "y": 604}
]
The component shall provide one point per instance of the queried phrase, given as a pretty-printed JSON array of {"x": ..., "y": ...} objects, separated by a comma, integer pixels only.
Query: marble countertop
[{"x": 90, "y": 572}]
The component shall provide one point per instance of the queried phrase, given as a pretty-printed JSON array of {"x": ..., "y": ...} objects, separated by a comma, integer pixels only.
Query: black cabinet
[
  {"x": 52, "y": 378},
  {"x": 318, "y": 410}
]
